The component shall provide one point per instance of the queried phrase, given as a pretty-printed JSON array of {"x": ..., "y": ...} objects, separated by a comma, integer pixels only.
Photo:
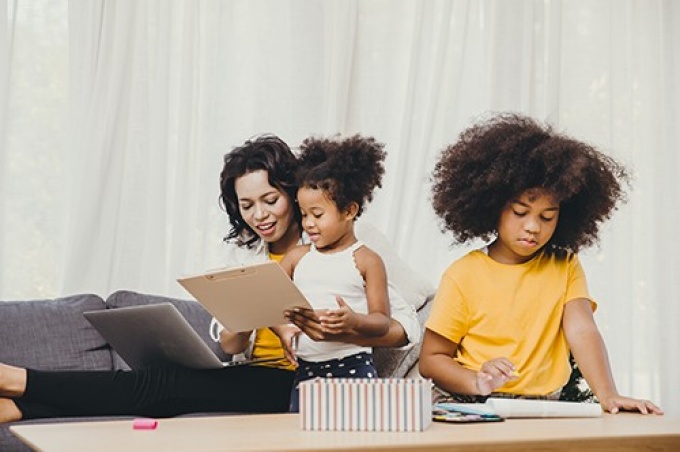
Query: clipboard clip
[{"x": 236, "y": 273}]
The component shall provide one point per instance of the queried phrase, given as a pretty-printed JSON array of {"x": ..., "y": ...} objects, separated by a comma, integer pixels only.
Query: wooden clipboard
[{"x": 248, "y": 297}]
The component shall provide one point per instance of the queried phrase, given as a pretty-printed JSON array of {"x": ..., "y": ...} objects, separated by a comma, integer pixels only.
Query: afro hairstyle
[
  {"x": 498, "y": 159},
  {"x": 347, "y": 169}
]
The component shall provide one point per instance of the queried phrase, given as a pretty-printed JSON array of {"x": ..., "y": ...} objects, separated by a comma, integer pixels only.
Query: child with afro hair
[
  {"x": 506, "y": 317},
  {"x": 342, "y": 278}
]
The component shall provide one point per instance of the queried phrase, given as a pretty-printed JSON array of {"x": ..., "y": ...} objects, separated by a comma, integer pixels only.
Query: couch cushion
[
  {"x": 197, "y": 316},
  {"x": 53, "y": 334},
  {"x": 397, "y": 362}
]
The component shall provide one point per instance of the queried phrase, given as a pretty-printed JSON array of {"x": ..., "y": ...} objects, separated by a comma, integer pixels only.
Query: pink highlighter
[{"x": 144, "y": 424}]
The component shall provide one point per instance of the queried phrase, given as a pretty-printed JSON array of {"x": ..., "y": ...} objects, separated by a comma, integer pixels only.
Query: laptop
[
  {"x": 248, "y": 297},
  {"x": 156, "y": 335}
]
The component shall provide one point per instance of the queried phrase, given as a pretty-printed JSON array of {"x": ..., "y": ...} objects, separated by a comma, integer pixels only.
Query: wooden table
[{"x": 281, "y": 432}]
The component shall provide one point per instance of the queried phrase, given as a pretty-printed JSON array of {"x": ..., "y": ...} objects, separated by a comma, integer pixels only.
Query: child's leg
[{"x": 356, "y": 366}]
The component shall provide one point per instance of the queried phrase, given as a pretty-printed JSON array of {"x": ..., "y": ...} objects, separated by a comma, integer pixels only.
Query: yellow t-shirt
[
  {"x": 496, "y": 310},
  {"x": 267, "y": 344}
]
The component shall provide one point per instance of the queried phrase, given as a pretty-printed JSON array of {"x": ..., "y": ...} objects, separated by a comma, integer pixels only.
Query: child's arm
[
  {"x": 308, "y": 321},
  {"x": 590, "y": 353},
  {"x": 437, "y": 363},
  {"x": 377, "y": 321}
]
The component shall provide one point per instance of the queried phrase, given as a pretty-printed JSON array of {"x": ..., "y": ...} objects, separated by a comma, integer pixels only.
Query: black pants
[{"x": 155, "y": 392}]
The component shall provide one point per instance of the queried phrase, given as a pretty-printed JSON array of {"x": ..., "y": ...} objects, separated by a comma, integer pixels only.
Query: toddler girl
[{"x": 343, "y": 279}]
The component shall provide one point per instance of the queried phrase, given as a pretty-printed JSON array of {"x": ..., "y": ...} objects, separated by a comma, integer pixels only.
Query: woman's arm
[
  {"x": 288, "y": 333},
  {"x": 590, "y": 353},
  {"x": 309, "y": 323},
  {"x": 404, "y": 327},
  {"x": 234, "y": 343},
  {"x": 230, "y": 343}
]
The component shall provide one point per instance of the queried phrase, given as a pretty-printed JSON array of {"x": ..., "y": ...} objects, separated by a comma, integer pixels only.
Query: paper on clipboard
[{"x": 248, "y": 297}]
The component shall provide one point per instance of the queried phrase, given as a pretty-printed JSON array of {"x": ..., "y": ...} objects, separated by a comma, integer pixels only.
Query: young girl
[
  {"x": 506, "y": 317},
  {"x": 343, "y": 279}
]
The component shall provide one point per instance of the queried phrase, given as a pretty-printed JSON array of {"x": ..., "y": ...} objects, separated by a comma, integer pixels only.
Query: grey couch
[{"x": 54, "y": 335}]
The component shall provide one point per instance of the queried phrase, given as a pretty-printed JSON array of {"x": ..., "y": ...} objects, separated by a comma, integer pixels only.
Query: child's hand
[
  {"x": 615, "y": 403},
  {"x": 337, "y": 321},
  {"x": 494, "y": 374},
  {"x": 308, "y": 321},
  {"x": 288, "y": 335}
]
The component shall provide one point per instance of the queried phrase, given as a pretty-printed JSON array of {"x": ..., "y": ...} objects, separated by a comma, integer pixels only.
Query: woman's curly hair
[
  {"x": 265, "y": 152},
  {"x": 498, "y": 159},
  {"x": 347, "y": 169}
]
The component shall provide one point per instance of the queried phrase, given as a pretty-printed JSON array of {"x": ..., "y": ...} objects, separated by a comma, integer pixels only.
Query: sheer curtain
[{"x": 114, "y": 117}]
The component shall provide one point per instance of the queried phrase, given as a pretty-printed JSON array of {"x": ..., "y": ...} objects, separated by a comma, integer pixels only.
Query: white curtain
[{"x": 115, "y": 115}]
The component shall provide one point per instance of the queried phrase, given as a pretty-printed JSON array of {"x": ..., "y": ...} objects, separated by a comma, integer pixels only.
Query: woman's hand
[
  {"x": 288, "y": 336},
  {"x": 615, "y": 403},
  {"x": 494, "y": 374}
]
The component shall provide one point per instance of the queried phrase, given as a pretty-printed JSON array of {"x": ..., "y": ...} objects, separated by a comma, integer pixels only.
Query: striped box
[{"x": 365, "y": 404}]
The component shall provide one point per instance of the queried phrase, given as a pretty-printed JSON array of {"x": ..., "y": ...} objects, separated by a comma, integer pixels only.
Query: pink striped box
[{"x": 364, "y": 404}]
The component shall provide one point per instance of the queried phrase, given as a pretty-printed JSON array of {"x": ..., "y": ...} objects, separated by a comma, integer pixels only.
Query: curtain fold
[
  {"x": 115, "y": 116},
  {"x": 7, "y": 10}
]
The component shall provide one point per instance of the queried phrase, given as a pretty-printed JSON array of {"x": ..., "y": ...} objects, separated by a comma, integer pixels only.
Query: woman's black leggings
[{"x": 155, "y": 392}]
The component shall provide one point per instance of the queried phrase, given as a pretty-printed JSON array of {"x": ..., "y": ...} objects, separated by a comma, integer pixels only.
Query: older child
[
  {"x": 506, "y": 317},
  {"x": 344, "y": 280}
]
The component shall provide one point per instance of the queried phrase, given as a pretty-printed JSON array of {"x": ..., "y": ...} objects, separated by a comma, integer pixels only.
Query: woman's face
[
  {"x": 268, "y": 211},
  {"x": 526, "y": 224}
]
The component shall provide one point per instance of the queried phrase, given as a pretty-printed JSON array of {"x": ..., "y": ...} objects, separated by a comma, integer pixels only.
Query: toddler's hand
[
  {"x": 494, "y": 374},
  {"x": 338, "y": 321}
]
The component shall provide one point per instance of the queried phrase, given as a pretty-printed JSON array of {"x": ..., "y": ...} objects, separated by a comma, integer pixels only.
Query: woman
[{"x": 257, "y": 190}]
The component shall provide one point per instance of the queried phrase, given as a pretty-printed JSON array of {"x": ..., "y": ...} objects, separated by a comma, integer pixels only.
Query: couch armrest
[{"x": 53, "y": 334}]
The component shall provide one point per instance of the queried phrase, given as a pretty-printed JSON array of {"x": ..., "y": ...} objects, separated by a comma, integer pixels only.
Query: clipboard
[{"x": 248, "y": 297}]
